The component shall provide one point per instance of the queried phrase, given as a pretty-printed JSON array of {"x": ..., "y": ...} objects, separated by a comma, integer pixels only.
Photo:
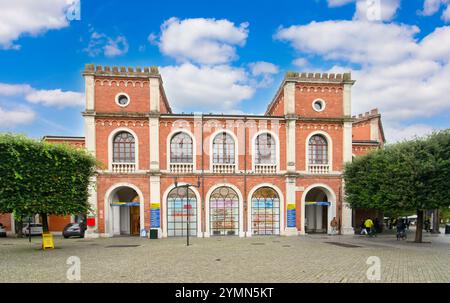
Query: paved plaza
[{"x": 318, "y": 258}]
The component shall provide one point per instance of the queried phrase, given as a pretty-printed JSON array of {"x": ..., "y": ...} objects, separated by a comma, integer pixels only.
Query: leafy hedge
[{"x": 40, "y": 177}]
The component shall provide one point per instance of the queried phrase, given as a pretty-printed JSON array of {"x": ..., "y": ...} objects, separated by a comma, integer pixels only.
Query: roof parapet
[
  {"x": 367, "y": 115},
  {"x": 99, "y": 70},
  {"x": 320, "y": 77}
]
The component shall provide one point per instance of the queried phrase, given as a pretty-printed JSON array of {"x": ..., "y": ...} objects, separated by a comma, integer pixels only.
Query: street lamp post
[
  {"x": 29, "y": 228},
  {"x": 187, "y": 185}
]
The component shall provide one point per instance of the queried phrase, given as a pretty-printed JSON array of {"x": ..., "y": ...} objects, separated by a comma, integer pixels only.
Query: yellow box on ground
[{"x": 47, "y": 241}]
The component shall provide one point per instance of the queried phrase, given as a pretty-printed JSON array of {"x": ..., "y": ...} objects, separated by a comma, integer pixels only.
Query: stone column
[
  {"x": 346, "y": 224},
  {"x": 289, "y": 111},
  {"x": 155, "y": 179},
  {"x": 90, "y": 144}
]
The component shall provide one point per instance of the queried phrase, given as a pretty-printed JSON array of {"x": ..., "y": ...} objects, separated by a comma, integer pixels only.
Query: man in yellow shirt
[{"x": 369, "y": 225}]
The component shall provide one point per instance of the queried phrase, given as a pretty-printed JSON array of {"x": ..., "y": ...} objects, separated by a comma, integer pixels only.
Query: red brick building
[{"x": 274, "y": 174}]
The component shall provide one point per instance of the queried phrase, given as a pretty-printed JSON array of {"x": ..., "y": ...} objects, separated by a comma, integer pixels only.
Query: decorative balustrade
[
  {"x": 224, "y": 168},
  {"x": 124, "y": 168},
  {"x": 181, "y": 168},
  {"x": 319, "y": 169},
  {"x": 265, "y": 168}
]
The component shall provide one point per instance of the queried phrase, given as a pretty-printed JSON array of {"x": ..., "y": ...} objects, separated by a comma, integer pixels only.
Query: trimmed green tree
[
  {"x": 407, "y": 176},
  {"x": 43, "y": 178}
]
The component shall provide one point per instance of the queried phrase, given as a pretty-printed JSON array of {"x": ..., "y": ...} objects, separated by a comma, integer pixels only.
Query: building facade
[{"x": 274, "y": 174}]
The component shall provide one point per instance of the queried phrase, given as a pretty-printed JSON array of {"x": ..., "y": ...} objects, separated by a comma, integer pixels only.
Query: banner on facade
[
  {"x": 318, "y": 203},
  {"x": 125, "y": 204}
]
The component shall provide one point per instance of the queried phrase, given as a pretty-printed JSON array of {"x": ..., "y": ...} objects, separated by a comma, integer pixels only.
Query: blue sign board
[
  {"x": 154, "y": 217},
  {"x": 291, "y": 214}
]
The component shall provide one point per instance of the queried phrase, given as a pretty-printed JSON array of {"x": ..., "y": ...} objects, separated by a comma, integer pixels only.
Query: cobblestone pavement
[{"x": 224, "y": 259}]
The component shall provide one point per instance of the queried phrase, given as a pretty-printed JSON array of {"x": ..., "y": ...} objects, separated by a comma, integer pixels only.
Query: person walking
[
  {"x": 334, "y": 224},
  {"x": 427, "y": 225},
  {"x": 376, "y": 226},
  {"x": 401, "y": 233}
]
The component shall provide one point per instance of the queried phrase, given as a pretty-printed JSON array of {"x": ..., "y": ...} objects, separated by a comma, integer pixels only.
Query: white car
[{"x": 36, "y": 229}]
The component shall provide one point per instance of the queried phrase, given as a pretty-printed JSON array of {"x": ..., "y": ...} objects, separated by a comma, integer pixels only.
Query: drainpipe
[
  {"x": 203, "y": 182},
  {"x": 245, "y": 178},
  {"x": 340, "y": 211}
]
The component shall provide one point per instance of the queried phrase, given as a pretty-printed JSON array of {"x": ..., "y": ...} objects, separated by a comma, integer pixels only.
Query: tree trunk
[
  {"x": 436, "y": 222},
  {"x": 44, "y": 222},
  {"x": 419, "y": 226}
]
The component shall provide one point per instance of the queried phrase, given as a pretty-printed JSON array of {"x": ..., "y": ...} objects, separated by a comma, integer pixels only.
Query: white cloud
[
  {"x": 110, "y": 47},
  {"x": 56, "y": 97},
  {"x": 399, "y": 132},
  {"x": 200, "y": 40},
  {"x": 13, "y": 117},
  {"x": 262, "y": 73},
  {"x": 209, "y": 88},
  {"x": 262, "y": 68},
  {"x": 436, "y": 45},
  {"x": 30, "y": 17},
  {"x": 354, "y": 41},
  {"x": 431, "y": 7},
  {"x": 116, "y": 47},
  {"x": 405, "y": 77},
  {"x": 372, "y": 10},
  {"x": 382, "y": 10},
  {"x": 446, "y": 14},
  {"x": 300, "y": 62},
  {"x": 14, "y": 89},
  {"x": 336, "y": 3},
  {"x": 203, "y": 78}
]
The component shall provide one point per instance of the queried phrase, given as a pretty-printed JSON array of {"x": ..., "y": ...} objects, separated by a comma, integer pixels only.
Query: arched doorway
[
  {"x": 265, "y": 212},
  {"x": 181, "y": 207},
  {"x": 224, "y": 211},
  {"x": 316, "y": 211},
  {"x": 125, "y": 211}
]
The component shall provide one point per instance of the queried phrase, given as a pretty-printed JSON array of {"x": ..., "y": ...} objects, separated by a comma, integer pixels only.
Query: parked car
[
  {"x": 74, "y": 230},
  {"x": 2, "y": 232},
  {"x": 36, "y": 229}
]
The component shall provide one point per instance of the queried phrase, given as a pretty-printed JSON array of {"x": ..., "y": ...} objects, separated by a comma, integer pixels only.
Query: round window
[
  {"x": 122, "y": 99},
  {"x": 318, "y": 105}
]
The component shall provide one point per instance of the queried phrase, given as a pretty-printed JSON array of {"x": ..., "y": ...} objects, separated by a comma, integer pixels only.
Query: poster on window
[
  {"x": 224, "y": 217},
  {"x": 266, "y": 216},
  {"x": 180, "y": 215}
]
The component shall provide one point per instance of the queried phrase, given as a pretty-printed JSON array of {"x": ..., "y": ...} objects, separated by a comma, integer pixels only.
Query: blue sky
[{"x": 226, "y": 56}]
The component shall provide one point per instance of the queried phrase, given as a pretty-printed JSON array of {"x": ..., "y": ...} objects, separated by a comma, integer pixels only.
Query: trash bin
[
  {"x": 153, "y": 234},
  {"x": 447, "y": 228},
  {"x": 143, "y": 233}
]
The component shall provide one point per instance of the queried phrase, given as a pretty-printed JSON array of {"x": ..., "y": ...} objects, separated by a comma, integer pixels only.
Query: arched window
[
  {"x": 124, "y": 148},
  {"x": 223, "y": 149},
  {"x": 181, "y": 148},
  {"x": 318, "y": 150},
  {"x": 224, "y": 211},
  {"x": 265, "y": 149},
  {"x": 181, "y": 206},
  {"x": 265, "y": 212}
]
